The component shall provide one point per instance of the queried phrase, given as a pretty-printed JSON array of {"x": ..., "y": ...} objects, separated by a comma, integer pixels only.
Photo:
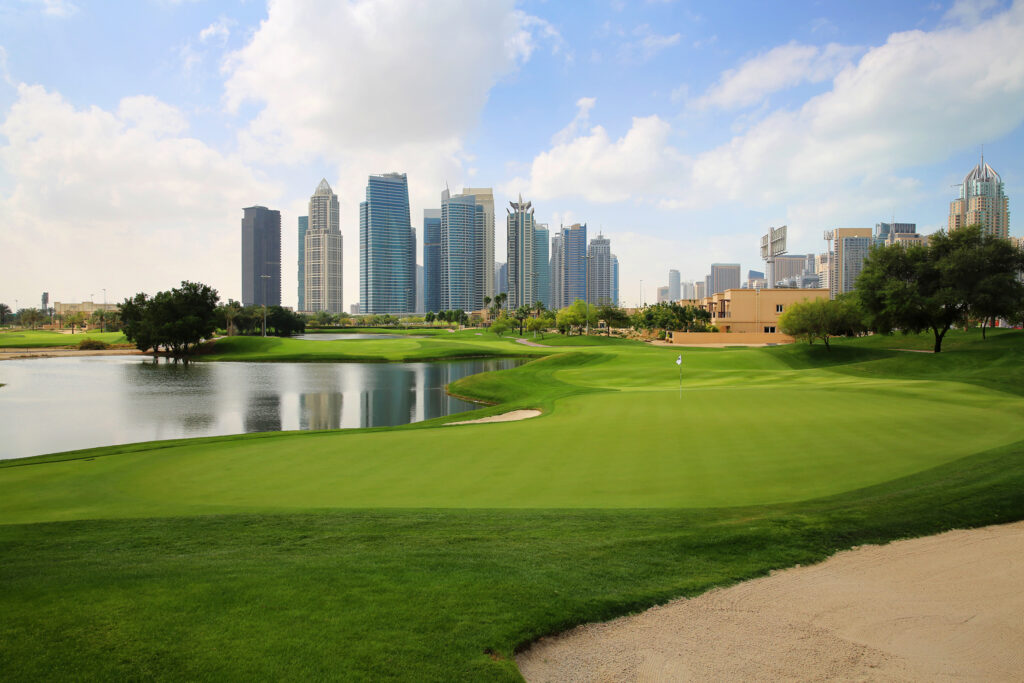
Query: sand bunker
[
  {"x": 511, "y": 416},
  {"x": 947, "y": 607}
]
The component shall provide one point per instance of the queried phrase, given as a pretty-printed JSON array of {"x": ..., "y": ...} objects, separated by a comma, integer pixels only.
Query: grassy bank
[
  {"x": 37, "y": 339},
  {"x": 412, "y": 553}
]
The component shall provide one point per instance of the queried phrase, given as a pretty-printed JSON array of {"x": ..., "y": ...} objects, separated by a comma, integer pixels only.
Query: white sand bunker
[
  {"x": 511, "y": 416},
  {"x": 945, "y": 607}
]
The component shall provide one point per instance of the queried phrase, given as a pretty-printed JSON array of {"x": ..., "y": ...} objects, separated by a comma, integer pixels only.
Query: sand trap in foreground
[
  {"x": 511, "y": 416},
  {"x": 947, "y": 607}
]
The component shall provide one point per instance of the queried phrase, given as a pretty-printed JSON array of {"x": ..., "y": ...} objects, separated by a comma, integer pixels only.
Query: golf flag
[{"x": 679, "y": 361}]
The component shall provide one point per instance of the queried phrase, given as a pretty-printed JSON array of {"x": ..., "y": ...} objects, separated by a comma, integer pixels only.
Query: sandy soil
[
  {"x": 511, "y": 416},
  {"x": 942, "y": 608},
  {"x": 12, "y": 354}
]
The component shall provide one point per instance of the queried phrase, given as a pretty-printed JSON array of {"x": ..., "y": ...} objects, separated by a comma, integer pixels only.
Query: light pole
[{"x": 264, "y": 278}]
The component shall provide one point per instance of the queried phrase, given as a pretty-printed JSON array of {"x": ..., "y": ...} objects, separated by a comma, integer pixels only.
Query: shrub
[{"x": 92, "y": 345}]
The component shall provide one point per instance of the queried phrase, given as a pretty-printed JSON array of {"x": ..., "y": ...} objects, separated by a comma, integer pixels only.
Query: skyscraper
[
  {"x": 723, "y": 276},
  {"x": 522, "y": 266},
  {"x": 462, "y": 252},
  {"x": 541, "y": 242},
  {"x": 261, "y": 256},
  {"x": 387, "y": 247},
  {"x": 615, "y": 280},
  {"x": 555, "y": 273},
  {"x": 673, "y": 285},
  {"x": 485, "y": 198},
  {"x": 573, "y": 275},
  {"x": 303, "y": 227},
  {"x": 501, "y": 278},
  {"x": 322, "y": 253},
  {"x": 432, "y": 260},
  {"x": 983, "y": 202},
  {"x": 599, "y": 271},
  {"x": 849, "y": 248}
]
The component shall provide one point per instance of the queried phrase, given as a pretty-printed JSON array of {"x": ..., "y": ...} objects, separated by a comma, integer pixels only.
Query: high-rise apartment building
[
  {"x": 522, "y": 265},
  {"x": 788, "y": 266},
  {"x": 303, "y": 227},
  {"x": 688, "y": 291},
  {"x": 322, "y": 253},
  {"x": 983, "y": 202},
  {"x": 674, "y": 293},
  {"x": 485, "y": 197},
  {"x": 420, "y": 307},
  {"x": 571, "y": 275},
  {"x": 887, "y": 234},
  {"x": 615, "y": 280},
  {"x": 555, "y": 273},
  {"x": 432, "y": 260},
  {"x": 699, "y": 290},
  {"x": 462, "y": 252},
  {"x": 541, "y": 244},
  {"x": 500, "y": 278},
  {"x": 599, "y": 271},
  {"x": 387, "y": 247},
  {"x": 723, "y": 276},
  {"x": 261, "y": 256},
  {"x": 849, "y": 248}
]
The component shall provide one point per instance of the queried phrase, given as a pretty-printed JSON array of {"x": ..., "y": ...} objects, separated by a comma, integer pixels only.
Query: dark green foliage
[
  {"x": 670, "y": 316},
  {"x": 92, "y": 345},
  {"x": 284, "y": 323},
  {"x": 918, "y": 288},
  {"x": 176, "y": 321},
  {"x": 823, "y": 318}
]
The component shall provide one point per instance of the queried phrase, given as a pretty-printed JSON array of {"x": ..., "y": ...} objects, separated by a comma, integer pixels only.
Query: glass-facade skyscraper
[
  {"x": 303, "y": 227},
  {"x": 541, "y": 246},
  {"x": 463, "y": 233},
  {"x": 387, "y": 247},
  {"x": 432, "y": 260},
  {"x": 599, "y": 271},
  {"x": 522, "y": 266},
  {"x": 615, "y": 280},
  {"x": 572, "y": 277},
  {"x": 261, "y": 256}
]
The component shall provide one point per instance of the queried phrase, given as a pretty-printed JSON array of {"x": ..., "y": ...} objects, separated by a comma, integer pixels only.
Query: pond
[
  {"x": 336, "y": 336},
  {"x": 59, "y": 404}
]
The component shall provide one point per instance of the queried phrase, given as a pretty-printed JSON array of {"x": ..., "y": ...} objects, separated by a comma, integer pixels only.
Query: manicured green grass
[
  {"x": 35, "y": 339},
  {"x": 408, "y": 553}
]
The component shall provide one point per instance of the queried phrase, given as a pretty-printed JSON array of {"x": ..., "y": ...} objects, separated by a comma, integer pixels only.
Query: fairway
[{"x": 631, "y": 494}]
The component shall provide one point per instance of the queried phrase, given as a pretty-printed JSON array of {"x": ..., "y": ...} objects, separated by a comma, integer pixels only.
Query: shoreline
[{"x": 58, "y": 352}]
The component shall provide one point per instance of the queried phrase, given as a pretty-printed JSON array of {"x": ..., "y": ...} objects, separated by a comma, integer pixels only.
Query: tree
[
  {"x": 575, "y": 317},
  {"x": 613, "y": 316},
  {"x": 177, "y": 320},
  {"x": 73, "y": 320},
  {"x": 5, "y": 313},
  {"x": 284, "y": 323},
  {"x": 521, "y": 314},
  {"x": 500, "y": 326},
  {"x": 822, "y": 319},
  {"x": 671, "y": 316},
  {"x": 920, "y": 288},
  {"x": 429, "y": 317}
]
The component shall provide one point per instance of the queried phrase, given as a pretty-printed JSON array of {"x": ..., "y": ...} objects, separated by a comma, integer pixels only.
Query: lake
[{"x": 58, "y": 404}]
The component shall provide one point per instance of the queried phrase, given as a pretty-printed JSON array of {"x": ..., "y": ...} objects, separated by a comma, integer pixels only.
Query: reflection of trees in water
[{"x": 182, "y": 396}]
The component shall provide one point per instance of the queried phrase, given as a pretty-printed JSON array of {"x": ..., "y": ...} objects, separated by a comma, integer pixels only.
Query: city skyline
[{"x": 128, "y": 154}]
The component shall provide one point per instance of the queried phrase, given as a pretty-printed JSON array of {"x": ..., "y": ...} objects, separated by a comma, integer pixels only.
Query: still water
[
  {"x": 341, "y": 336},
  {"x": 58, "y": 404}
]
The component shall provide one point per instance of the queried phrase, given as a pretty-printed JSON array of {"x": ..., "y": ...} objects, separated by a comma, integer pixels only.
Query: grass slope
[
  {"x": 37, "y": 339},
  {"x": 339, "y": 555}
]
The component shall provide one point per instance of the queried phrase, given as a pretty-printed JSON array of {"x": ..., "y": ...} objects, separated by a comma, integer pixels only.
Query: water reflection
[{"x": 59, "y": 404}]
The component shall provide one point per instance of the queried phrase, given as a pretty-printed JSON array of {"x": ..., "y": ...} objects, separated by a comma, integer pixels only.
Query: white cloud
[
  {"x": 217, "y": 32},
  {"x": 646, "y": 44},
  {"x": 583, "y": 106},
  {"x": 914, "y": 100},
  {"x": 121, "y": 200},
  {"x": 779, "y": 68},
  {"x": 59, "y": 8},
  {"x": 969, "y": 12}
]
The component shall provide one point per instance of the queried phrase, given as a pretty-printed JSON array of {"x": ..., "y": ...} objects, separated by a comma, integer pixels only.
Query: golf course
[{"x": 436, "y": 552}]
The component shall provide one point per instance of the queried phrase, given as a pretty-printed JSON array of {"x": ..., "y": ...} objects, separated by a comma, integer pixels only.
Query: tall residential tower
[
  {"x": 387, "y": 247},
  {"x": 983, "y": 202},
  {"x": 261, "y": 256},
  {"x": 322, "y": 253}
]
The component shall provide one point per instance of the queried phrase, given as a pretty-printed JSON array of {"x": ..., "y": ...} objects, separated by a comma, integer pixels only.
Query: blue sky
[{"x": 132, "y": 133}]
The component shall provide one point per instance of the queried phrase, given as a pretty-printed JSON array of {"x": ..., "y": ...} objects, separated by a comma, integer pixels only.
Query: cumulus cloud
[
  {"x": 779, "y": 68},
  {"x": 913, "y": 100},
  {"x": 218, "y": 32},
  {"x": 117, "y": 199}
]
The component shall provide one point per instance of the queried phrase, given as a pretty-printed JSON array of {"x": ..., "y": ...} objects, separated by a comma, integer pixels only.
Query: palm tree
[
  {"x": 521, "y": 314},
  {"x": 5, "y": 311},
  {"x": 539, "y": 307}
]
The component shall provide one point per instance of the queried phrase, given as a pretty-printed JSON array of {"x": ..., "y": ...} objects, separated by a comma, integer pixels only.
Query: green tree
[
  {"x": 5, "y": 313},
  {"x": 500, "y": 326},
  {"x": 521, "y": 314},
  {"x": 822, "y": 319},
  {"x": 920, "y": 288},
  {"x": 575, "y": 317},
  {"x": 613, "y": 316},
  {"x": 429, "y": 317},
  {"x": 73, "y": 320},
  {"x": 177, "y": 320},
  {"x": 284, "y": 323}
]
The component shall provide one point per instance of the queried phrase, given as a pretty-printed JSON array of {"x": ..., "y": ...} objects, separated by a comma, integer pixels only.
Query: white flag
[{"x": 679, "y": 361}]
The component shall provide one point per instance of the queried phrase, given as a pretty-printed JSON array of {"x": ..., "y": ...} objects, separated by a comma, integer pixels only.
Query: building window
[
  {"x": 778, "y": 308},
  {"x": 769, "y": 329}
]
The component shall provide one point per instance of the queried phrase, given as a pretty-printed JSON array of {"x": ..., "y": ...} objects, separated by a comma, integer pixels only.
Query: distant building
[
  {"x": 261, "y": 256},
  {"x": 723, "y": 276},
  {"x": 615, "y": 280},
  {"x": 86, "y": 307},
  {"x": 755, "y": 279},
  {"x": 419, "y": 290},
  {"x": 322, "y": 253},
  {"x": 887, "y": 234},
  {"x": 555, "y": 269},
  {"x": 699, "y": 290},
  {"x": 688, "y": 291},
  {"x": 754, "y": 310},
  {"x": 387, "y": 247},
  {"x": 485, "y": 197},
  {"x": 662, "y": 294},
  {"x": 501, "y": 278},
  {"x": 353, "y": 309},
  {"x": 522, "y": 270},
  {"x": 303, "y": 227},
  {"x": 789, "y": 266},
  {"x": 823, "y": 268},
  {"x": 432, "y": 260},
  {"x": 674, "y": 292},
  {"x": 849, "y": 248},
  {"x": 542, "y": 261},
  {"x": 599, "y": 271},
  {"x": 573, "y": 275},
  {"x": 462, "y": 253},
  {"x": 982, "y": 201}
]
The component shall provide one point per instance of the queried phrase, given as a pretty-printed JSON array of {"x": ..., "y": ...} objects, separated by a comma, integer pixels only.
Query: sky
[{"x": 132, "y": 133}]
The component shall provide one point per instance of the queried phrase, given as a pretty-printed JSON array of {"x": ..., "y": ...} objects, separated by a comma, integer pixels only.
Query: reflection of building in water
[
  {"x": 320, "y": 410},
  {"x": 390, "y": 400},
  {"x": 263, "y": 412},
  {"x": 432, "y": 395}
]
